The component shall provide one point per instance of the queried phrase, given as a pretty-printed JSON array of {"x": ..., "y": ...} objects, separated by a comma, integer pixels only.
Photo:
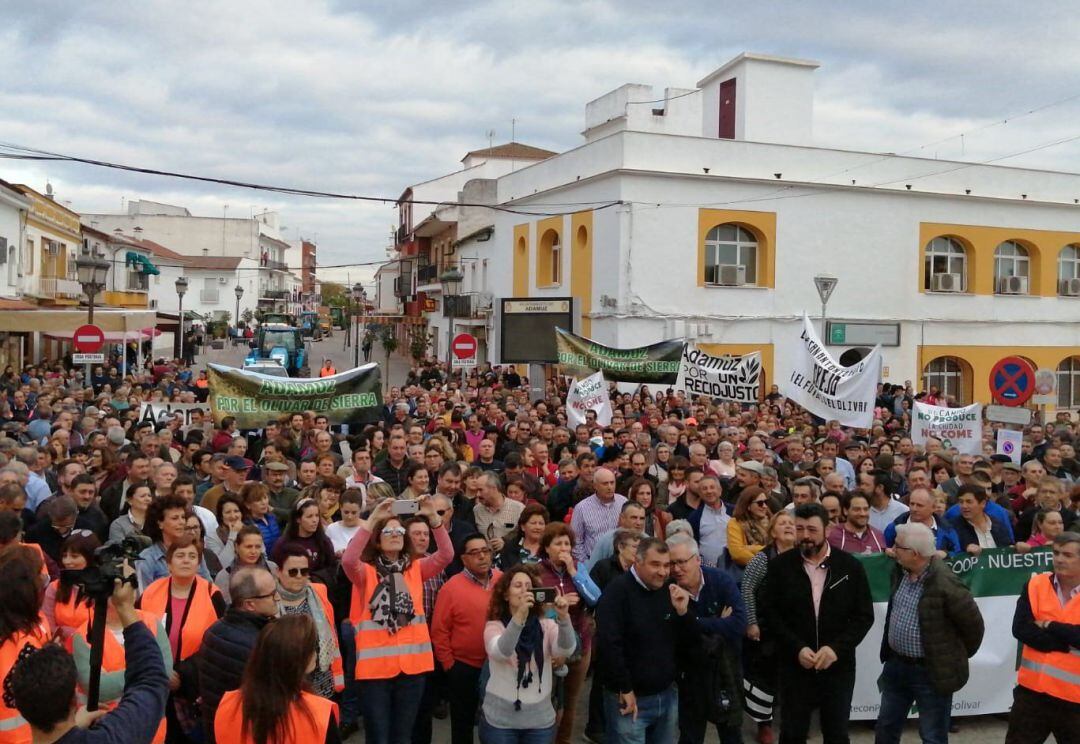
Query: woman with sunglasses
[
  {"x": 66, "y": 607},
  {"x": 393, "y": 645},
  {"x": 301, "y": 597},
  {"x": 305, "y": 530},
  {"x": 748, "y": 530}
]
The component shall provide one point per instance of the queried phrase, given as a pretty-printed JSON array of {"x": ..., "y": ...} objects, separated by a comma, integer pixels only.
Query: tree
[
  {"x": 419, "y": 343},
  {"x": 334, "y": 294},
  {"x": 389, "y": 343}
]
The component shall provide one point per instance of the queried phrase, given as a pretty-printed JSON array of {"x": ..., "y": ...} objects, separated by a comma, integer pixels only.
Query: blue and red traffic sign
[{"x": 1012, "y": 381}]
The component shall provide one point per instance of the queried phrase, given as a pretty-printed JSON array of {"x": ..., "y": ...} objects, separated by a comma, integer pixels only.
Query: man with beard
[{"x": 817, "y": 603}]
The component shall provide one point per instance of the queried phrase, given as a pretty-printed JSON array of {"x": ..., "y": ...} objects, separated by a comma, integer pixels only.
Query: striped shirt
[
  {"x": 905, "y": 635},
  {"x": 591, "y": 519}
]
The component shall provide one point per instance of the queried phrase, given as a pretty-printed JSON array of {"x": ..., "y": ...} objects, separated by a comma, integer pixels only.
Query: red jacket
[{"x": 457, "y": 628}]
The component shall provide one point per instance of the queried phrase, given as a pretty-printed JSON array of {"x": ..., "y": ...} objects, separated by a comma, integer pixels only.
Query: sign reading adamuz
[
  {"x": 733, "y": 378},
  {"x": 827, "y": 389},
  {"x": 957, "y": 428}
]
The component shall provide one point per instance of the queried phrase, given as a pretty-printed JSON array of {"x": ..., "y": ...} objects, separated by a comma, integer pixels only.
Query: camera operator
[{"x": 42, "y": 687}]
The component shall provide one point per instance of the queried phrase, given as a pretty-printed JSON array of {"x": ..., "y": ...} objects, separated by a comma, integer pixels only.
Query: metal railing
[{"x": 427, "y": 275}]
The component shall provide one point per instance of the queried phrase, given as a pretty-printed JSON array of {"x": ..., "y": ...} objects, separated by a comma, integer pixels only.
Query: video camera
[{"x": 98, "y": 579}]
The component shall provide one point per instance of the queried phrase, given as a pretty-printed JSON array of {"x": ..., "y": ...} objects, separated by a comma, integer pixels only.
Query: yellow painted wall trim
[
  {"x": 982, "y": 359},
  {"x": 580, "y": 240},
  {"x": 762, "y": 224},
  {"x": 740, "y": 349},
  {"x": 520, "y": 249}
]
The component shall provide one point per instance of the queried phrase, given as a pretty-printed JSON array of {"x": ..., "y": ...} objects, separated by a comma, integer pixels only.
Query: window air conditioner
[
  {"x": 945, "y": 283},
  {"x": 1013, "y": 285},
  {"x": 731, "y": 275},
  {"x": 223, "y": 280},
  {"x": 1069, "y": 287}
]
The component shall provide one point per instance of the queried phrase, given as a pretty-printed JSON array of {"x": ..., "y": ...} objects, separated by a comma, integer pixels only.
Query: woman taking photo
[
  {"x": 748, "y": 530},
  {"x": 643, "y": 492},
  {"x": 520, "y": 645},
  {"x": 759, "y": 682},
  {"x": 189, "y": 605},
  {"x": 523, "y": 544},
  {"x": 273, "y": 705},
  {"x": 133, "y": 521},
  {"x": 66, "y": 607},
  {"x": 21, "y": 586},
  {"x": 300, "y": 597},
  {"x": 393, "y": 646},
  {"x": 248, "y": 552},
  {"x": 305, "y": 530}
]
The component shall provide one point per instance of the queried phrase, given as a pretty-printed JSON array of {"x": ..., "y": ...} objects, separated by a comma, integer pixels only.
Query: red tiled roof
[
  {"x": 213, "y": 262},
  {"x": 513, "y": 150}
]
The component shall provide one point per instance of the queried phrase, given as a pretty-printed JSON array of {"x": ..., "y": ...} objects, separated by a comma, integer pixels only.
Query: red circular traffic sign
[
  {"x": 464, "y": 346},
  {"x": 88, "y": 339},
  {"x": 1012, "y": 381}
]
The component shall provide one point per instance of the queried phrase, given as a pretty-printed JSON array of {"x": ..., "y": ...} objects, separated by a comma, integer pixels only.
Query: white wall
[
  {"x": 187, "y": 235},
  {"x": 12, "y": 218}
]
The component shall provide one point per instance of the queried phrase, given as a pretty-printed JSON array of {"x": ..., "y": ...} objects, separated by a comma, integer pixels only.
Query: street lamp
[
  {"x": 451, "y": 288},
  {"x": 358, "y": 297},
  {"x": 181, "y": 289},
  {"x": 91, "y": 268},
  {"x": 239, "y": 292},
  {"x": 825, "y": 285}
]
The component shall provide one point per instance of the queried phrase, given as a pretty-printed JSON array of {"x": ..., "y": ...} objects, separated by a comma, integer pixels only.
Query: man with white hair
[{"x": 932, "y": 628}]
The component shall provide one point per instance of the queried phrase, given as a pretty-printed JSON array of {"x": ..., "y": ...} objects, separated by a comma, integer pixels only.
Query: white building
[
  {"x": 712, "y": 213},
  {"x": 14, "y": 207}
]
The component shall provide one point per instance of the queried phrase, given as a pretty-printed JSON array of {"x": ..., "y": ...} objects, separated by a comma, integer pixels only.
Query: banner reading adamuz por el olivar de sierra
[
  {"x": 733, "y": 378},
  {"x": 655, "y": 364},
  {"x": 829, "y": 390},
  {"x": 351, "y": 397}
]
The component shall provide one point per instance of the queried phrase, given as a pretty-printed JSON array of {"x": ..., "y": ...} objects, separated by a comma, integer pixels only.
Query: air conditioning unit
[
  {"x": 223, "y": 280},
  {"x": 946, "y": 283},
  {"x": 1013, "y": 285},
  {"x": 1069, "y": 287},
  {"x": 731, "y": 275}
]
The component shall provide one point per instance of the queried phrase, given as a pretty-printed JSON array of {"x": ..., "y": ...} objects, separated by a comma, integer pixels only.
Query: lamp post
[
  {"x": 825, "y": 286},
  {"x": 239, "y": 292},
  {"x": 181, "y": 289},
  {"x": 358, "y": 299},
  {"x": 451, "y": 288},
  {"x": 92, "y": 270}
]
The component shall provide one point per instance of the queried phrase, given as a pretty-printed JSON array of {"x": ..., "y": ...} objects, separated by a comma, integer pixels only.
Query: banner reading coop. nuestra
[
  {"x": 655, "y": 364},
  {"x": 352, "y": 397},
  {"x": 957, "y": 428},
  {"x": 731, "y": 378}
]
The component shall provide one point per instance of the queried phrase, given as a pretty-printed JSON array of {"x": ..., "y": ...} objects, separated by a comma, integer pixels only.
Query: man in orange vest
[
  {"x": 1046, "y": 699},
  {"x": 327, "y": 369}
]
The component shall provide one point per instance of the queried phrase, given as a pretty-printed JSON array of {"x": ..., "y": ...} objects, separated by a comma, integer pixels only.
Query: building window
[
  {"x": 951, "y": 377},
  {"x": 1068, "y": 380},
  {"x": 1011, "y": 268},
  {"x": 731, "y": 254},
  {"x": 1069, "y": 271},
  {"x": 549, "y": 260},
  {"x": 556, "y": 261},
  {"x": 946, "y": 266}
]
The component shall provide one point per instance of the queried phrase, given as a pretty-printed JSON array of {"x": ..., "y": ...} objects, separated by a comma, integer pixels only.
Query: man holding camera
[{"x": 42, "y": 686}]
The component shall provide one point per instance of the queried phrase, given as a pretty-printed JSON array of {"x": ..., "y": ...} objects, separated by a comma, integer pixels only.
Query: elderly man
[
  {"x": 921, "y": 503},
  {"x": 932, "y": 628},
  {"x": 710, "y": 522},
  {"x": 1046, "y": 699},
  {"x": 596, "y": 514}
]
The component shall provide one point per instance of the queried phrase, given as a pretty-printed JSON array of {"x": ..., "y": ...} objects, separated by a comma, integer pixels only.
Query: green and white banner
[{"x": 996, "y": 578}]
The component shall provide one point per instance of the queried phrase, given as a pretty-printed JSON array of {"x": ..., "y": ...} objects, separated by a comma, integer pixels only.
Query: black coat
[
  {"x": 845, "y": 616},
  {"x": 967, "y": 535},
  {"x": 226, "y": 647}
]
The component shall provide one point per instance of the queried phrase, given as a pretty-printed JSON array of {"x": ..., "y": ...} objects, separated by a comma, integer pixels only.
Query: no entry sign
[
  {"x": 1012, "y": 381},
  {"x": 88, "y": 339},
  {"x": 463, "y": 350}
]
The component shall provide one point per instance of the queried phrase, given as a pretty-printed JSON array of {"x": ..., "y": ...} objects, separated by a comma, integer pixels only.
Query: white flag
[
  {"x": 957, "y": 428},
  {"x": 822, "y": 386},
  {"x": 590, "y": 394}
]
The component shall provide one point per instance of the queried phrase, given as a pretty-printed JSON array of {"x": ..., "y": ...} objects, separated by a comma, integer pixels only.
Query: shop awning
[
  {"x": 66, "y": 321},
  {"x": 141, "y": 262}
]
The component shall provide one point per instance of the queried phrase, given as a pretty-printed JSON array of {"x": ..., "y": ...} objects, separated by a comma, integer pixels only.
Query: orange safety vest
[
  {"x": 229, "y": 720},
  {"x": 327, "y": 372},
  {"x": 337, "y": 666},
  {"x": 13, "y": 728},
  {"x": 113, "y": 659},
  {"x": 381, "y": 654},
  {"x": 199, "y": 613},
  {"x": 72, "y": 614},
  {"x": 1055, "y": 673}
]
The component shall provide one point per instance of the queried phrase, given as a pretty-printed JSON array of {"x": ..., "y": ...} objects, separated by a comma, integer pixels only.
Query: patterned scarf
[
  {"x": 530, "y": 646},
  {"x": 391, "y": 603}
]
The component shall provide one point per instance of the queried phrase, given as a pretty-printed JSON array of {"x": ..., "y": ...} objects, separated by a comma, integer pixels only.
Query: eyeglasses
[
  {"x": 441, "y": 512},
  {"x": 760, "y": 502},
  {"x": 903, "y": 547},
  {"x": 294, "y": 572},
  {"x": 80, "y": 533},
  {"x": 393, "y": 531},
  {"x": 267, "y": 596},
  {"x": 682, "y": 563},
  {"x": 478, "y": 552}
]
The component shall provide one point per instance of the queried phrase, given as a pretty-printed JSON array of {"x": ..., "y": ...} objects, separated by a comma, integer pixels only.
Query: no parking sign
[{"x": 1012, "y": 381}]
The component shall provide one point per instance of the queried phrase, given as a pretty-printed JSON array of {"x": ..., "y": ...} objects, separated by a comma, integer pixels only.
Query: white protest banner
[
  {"x": 822, "y": 386},
  {"x": 1008, "y": 443},
  {"x": 590, "y": 394},
  {"x": 161, "y": 411},
  {"x": 734, "y": 378},
  {"x": 957, "y": 428}
]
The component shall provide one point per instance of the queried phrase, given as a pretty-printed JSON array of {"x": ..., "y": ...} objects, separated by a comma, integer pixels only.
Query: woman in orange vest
[
  {"x": 189, "y": 604},
  {"x": 327, "y": 369},
  {"x": 272, "y": 706},
  {"x": 301, "y": 597},
  {"x": 393, "y": 647},
  {"x": 21, "y": 593},
  {"x": 66, "y": 608},
  {"x": 113, "y": 660}
]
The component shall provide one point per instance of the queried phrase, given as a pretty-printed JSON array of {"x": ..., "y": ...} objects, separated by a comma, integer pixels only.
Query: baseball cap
[
  {"x": 236, "y": 463},
  {"x": 691, "y": 421},
  {"x": 1010, "y": 465}
]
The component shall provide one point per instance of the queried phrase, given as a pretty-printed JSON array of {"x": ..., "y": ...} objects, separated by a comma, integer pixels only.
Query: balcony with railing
[
  {"x": 427, "y": 279},
  {"x": 274, "y": 294},
  {"x": 60, "y": 287},
  {"x": 270, "y": 263}
]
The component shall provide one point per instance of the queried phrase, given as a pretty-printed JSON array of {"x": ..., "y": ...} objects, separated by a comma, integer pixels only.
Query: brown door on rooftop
[{"x": 727, "y": 109}]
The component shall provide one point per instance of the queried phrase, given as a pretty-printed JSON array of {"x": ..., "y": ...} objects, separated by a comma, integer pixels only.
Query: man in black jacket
[
  {"x": 228, "y": 643},
  {"x": 817, "y": 606}
]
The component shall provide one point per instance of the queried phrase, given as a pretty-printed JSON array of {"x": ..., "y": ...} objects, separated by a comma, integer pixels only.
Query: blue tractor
[{"x": 282, "y": 344}]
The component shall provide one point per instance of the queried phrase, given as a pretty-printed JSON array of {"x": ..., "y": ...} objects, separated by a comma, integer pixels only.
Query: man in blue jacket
[
  {"x": 721, "y": 615},
  {"x": 921, "y": 504}
]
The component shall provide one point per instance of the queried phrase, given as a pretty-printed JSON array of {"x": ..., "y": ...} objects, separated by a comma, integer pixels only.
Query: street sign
[
  {"x": 463, "y": 350},
  {"x": 863, "y": 334},
  {"x": 1012, "y": 381},
  {"x": 88, "y": 339},
  {"x": 825, "y": 286},
  {"x": 87, "y": 358},
  {"x": 1045, "y": 388},
  {"x": 1009, "y": 415}
]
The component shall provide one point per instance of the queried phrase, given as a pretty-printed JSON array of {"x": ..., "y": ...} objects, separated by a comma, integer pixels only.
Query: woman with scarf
[
  {"x": 520, "y": 645},
  {"x": 748, "y": 530},
  {"x": 393, "y": 646},
  {"x": 300, "y": 597}
]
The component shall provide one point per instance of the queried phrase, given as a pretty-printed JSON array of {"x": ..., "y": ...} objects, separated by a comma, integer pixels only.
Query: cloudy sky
[{"x": 369, "y": 97}]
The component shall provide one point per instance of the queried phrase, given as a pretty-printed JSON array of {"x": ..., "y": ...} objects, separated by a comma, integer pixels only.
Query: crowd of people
[{"x": 472, "y": 554}]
